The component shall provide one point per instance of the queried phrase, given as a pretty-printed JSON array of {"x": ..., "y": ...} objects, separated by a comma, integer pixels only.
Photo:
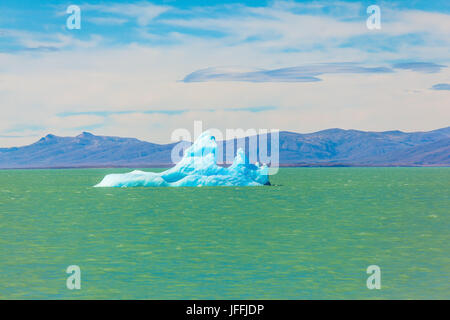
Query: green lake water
[{"x": 310, "y": 236}]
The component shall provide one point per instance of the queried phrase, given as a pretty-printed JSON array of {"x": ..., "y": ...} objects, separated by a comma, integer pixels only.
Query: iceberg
[{"x": 197, "y": 168}]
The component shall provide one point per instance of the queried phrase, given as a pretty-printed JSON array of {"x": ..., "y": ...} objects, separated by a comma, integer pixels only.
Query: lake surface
[{"x": 310, "y": 236}]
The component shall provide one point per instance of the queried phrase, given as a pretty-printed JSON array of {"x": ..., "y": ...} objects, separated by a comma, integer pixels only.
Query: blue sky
[
  {"x": 145, "y": 68},
  {"x": 119, "y": 27}
]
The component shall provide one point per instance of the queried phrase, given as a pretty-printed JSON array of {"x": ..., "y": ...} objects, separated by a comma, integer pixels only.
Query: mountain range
[{"x": 331, "y": 147}]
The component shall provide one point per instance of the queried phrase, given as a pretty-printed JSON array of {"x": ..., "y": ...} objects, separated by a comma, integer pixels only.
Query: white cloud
[
  {"x": 106, "y": 20},
  {"x": 53, "y": 42},
  {"x": 144, "y": 13}
]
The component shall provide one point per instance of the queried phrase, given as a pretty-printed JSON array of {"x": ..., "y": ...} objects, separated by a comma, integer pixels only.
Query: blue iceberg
[{"x": 197, "y": 168}]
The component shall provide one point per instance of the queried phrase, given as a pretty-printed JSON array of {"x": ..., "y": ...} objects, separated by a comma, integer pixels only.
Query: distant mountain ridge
[
  {"x": 331, "y": 147},
  {"x": 85, "y": 150},
  {"x": 367, "y": 148}
]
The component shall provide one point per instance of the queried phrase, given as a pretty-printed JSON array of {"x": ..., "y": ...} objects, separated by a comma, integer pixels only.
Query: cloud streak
[
  {"x": 441, "y": 86},
  {"x": 144, "y": 13},
  {"x": 425, "y": 67},
  {"x": 103, "y": 113},
  {"x": 307, "y": 73}
]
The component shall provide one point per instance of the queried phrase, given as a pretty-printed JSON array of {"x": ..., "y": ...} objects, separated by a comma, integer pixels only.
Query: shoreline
[{"x": 165, "y": 166}]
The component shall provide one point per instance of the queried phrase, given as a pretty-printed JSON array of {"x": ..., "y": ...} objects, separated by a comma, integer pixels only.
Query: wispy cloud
[
  {"x": 15, "y": 137},
  {"x": 23, "y": 128},
  {"x": 144, "y": 13},
  {"x": 425, "y": 67},
  {"x": 107, "y": 20},
  {"x": 306, "y": 73},
  {"x": 103, "y": 113},
  {"x": 220, "y": 74},
  {"x": 441, "y": 86},
  {"x": 19, "y": 40},
  {"x": 254, "y": 109}
]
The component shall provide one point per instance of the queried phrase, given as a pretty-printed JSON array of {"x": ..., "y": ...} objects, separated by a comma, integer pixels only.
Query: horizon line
[{"x": 246, "y": 136}]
